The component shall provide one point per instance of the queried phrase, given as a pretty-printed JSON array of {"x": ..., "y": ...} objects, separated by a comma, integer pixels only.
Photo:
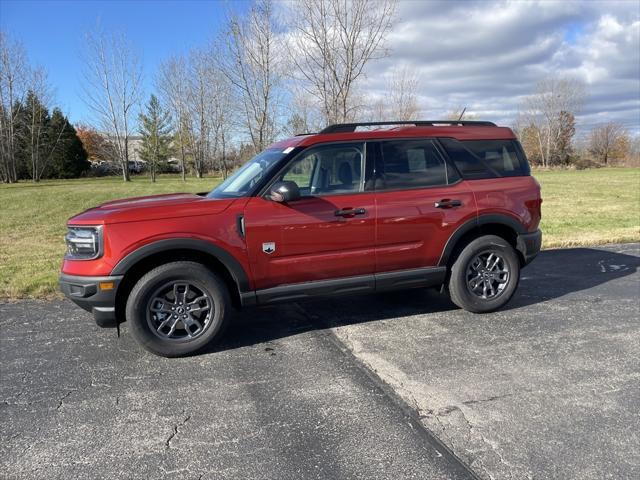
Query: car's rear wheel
[
  {"x": 485, "y": 275},
  {"x": 178, "y": 308}
]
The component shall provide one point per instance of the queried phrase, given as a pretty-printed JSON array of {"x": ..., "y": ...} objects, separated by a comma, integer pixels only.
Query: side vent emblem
[{"x": 269, "y": 247}]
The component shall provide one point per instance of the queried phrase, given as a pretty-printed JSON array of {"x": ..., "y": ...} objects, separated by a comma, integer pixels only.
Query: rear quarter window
[
  {"x": 408, "y": 164},
  {"x": 476, "y": 159}
]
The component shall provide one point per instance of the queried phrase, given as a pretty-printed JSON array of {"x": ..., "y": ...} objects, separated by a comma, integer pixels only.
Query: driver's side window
[{"x": 328, "y": 170}]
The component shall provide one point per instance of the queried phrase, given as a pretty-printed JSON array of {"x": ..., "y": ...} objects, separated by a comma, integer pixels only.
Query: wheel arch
[
  {"x": 140, "y": 261},
  {"x": 494, "y": 224}
]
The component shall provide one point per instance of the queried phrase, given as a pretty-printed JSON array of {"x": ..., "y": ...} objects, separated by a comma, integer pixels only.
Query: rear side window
[
  {"x": 487, "y": 158},
  {"x": 410, "y": 164}
]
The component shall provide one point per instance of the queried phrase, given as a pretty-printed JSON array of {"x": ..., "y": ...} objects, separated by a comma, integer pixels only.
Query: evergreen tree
[
  {"x": 47, "y": 145},
  {"x": 68, "y": 157},
  {"x": 155, "y": 128}
]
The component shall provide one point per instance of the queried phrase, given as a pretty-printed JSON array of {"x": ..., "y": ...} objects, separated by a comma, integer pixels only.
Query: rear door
[
  {"x": 420, "y": 201},
  {"x": 327, "y": 234}
]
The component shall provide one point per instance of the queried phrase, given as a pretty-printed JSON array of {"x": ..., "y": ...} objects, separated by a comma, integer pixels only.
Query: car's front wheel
[
  {"x": 178, "y": 308},
  {"x": 485, "y": 275}
]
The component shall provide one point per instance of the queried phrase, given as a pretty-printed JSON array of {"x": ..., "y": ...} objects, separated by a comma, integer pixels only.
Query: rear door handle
[
  {"x": 350, "y": 212},
  {"x": 446, "y": 203}
]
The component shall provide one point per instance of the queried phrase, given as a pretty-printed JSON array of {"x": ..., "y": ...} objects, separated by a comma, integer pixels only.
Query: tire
[
  {"x": 178, "y": 308},
  {"x": 476, "y": 288}
]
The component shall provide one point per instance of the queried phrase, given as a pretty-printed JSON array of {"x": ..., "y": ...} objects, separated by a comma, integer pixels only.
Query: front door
[{"x": 329, "y": 233}]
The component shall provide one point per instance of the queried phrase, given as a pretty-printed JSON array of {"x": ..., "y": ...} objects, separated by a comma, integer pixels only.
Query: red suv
[{"x": 355, "y": 208}]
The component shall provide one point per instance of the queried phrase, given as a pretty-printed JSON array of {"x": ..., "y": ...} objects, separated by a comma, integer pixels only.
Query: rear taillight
[{"x": 535, "y": 204}]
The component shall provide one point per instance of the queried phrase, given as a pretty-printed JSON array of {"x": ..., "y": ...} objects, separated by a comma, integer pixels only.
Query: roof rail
[{"x": 351, "y": 127}]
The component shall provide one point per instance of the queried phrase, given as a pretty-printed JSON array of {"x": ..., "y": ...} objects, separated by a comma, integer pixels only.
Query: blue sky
[
  {"x": 53, "y": 33},
  {"x": 486, "y": 55}
]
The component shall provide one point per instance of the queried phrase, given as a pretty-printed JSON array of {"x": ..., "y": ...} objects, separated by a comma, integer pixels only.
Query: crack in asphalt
[
  {"x": 488, "y": 399},
  {"x": 61, "y": 399},
  {"x": 474, "y": 432},
  {"x": 176, "y": 428}
]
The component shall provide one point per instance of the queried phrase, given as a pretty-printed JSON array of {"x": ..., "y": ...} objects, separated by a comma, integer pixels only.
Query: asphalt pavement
[
  {"x": 547, "y": 388},
  {"x": 279, "y": 399},
  {"x": 401, "y": 385}
]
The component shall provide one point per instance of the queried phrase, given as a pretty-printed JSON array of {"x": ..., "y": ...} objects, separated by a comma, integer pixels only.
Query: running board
[{"x": 397, "y": 280}]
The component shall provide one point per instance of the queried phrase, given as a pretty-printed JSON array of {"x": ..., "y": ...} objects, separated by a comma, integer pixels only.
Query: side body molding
[
  {"x": 224, "y": 257},
  {"x": 479, "y": 221}
]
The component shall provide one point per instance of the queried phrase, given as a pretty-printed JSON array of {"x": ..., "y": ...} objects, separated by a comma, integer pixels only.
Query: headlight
[{"x": 83, "y": 243}]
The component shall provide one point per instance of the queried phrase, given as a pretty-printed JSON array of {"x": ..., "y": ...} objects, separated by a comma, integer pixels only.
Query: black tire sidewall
[
  {"x": 177, "y": 271},
  {"x": 458, "y": 289}
]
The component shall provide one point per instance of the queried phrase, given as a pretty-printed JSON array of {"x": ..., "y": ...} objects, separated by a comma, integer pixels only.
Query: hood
[{"x": 152, "y": 207}]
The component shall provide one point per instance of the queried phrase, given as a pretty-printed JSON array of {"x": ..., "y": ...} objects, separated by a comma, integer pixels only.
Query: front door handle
[
  {"x": 350, "y": 212},
  {"x": 446, "y": 203}
]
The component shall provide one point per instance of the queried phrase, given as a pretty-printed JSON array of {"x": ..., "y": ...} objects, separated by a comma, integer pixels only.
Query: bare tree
[
  {"x": 609, "y": 141},
  {"x": 223, "y": 120},
  {"x": 173, "y": 83},
  {"x": 201, "y": 101},
  {"x": 331, "y": 42},
  {"x": 379, "y": 111},
  {"x": 554, "y": 100},
  {"x": 251, "y": 60},
  {"x": 36, "y": 105},
  {"x": 42, "y": 139},
  {"x": 113, "y": 74},
  {"x": 199, "y": 104},
  {"x": 399, "y": 100},
  {"x": 304, "y": 116},
  {"x": 14, "y": 83},
  {"x": 634, "y": 151},
  {"x": 403, "y": 95}
]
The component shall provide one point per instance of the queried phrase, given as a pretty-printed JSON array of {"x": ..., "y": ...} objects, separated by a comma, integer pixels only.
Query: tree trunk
[
  {"x": 182, "y": 161},
  {"x": 125, "y": 163},
  {"x": 542, "y": 157}
]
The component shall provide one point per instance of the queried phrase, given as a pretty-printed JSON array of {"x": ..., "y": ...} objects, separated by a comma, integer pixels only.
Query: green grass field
[
  {"x": 585, "y": 207},
  {"x": 33, "y": 221}
]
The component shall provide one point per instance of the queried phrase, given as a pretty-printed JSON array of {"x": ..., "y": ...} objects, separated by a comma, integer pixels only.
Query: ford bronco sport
[{"x": 355, "y": 208}]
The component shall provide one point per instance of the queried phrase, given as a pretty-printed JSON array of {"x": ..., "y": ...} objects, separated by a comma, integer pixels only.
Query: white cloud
[{"x": 488, "y": 56}]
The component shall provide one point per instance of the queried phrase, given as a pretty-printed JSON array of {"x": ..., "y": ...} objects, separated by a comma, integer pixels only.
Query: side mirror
[{"x": 283, "y": 192}]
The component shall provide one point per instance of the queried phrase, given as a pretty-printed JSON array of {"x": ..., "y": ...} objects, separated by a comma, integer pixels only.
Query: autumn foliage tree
[
  {"x": 547, "y": 123},
  {"x": 92, "y": 141},
  {"x": 608, "y": 142}
]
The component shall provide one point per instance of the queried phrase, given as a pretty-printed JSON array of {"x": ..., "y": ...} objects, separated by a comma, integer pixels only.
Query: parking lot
[{"x": 401, "y": 385}]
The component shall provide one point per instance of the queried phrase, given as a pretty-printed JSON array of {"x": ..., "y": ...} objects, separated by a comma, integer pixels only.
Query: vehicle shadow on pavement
[{"x": 554, "y": 274}]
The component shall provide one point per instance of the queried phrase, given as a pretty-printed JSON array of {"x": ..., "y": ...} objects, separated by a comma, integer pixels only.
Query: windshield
[{"x": 242, "y": 182}]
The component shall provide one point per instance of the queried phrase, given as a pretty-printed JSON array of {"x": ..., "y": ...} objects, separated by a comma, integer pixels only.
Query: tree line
[
  {"x": 36, "y": 140},
  {"x": 276, "y": 70},
  {"x": 547, "y": 124}
]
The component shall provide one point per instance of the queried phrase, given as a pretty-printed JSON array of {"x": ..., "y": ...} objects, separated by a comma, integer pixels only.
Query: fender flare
[
  {"x": 477, "y": 222},
  {"x": 230, "y": 263}
]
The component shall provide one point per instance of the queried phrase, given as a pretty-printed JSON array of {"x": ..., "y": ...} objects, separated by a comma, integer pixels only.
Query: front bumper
[
  {"x": 529, "y": 245},
  {"x": 87, "y": 293}
]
